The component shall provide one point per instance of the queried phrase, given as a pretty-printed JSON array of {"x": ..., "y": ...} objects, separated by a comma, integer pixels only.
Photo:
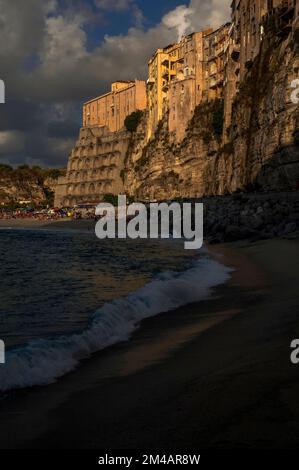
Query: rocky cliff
[
  {"x": 33, "y": 185},
  {"x": 259, "y": 151}
]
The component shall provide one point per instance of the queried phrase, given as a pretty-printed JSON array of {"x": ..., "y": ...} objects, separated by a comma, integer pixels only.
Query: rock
[
  {"x": 290, "y": 228},
  {"x": 256, "y": 222}
]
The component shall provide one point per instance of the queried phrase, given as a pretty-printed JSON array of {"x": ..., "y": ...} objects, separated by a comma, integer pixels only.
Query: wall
[
  {"x": 111, "y": 110},
  {"x": 160, "y": 71},
  {"x": 182, "y": 102},
  {"x": 94, "y": 167}
]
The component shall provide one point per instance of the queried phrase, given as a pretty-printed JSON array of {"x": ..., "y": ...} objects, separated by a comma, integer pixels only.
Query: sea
[{"x": 66, "y": 295}]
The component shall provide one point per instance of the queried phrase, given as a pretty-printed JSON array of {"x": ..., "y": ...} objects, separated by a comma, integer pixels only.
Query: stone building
[
  {"x": 214, "y": 61},
  {"x": 251, "y": 17},
  {"x": 161, "y": 71},
  {"x": 94, "y": 167},
  {"x": 183, "y": 75},
  {"x": 251, "y": 20},
  {"x": 111, "y": 109},
  {"x": 231, "y": 78},
  {"x": 281, "y": 17},
  {"x": 96, "y": 162},
  {"x": 187, "y": 87}
]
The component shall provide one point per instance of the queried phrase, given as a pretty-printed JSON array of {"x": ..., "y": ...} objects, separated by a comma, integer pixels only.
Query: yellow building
[
  {"x": 110, "y": 110},
  {"x": 177, "y": 82},
  {"x": 187, "y": 88},
  {"x": 161, "y": 72}
]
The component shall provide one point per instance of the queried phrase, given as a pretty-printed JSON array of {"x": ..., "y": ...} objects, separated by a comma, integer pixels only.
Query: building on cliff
[
  {"x": 187, "y": 87},
  {"x": 239, "y": 62},
  {"x": 161, "y": 71},
  {"x": 111, "y": 109},
  {"x": 251, "y": 20},
  {"x": 96, "y": 162},
  {"x": 214, "y": 61},
  {"x": 184, "y": 75}
]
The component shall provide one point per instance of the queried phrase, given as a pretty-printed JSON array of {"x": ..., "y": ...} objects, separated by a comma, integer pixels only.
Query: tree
[{"x": 133, "y": 120}]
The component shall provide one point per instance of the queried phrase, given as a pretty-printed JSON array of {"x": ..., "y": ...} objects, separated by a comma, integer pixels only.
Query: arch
[
  {"x": 74, "y": 164},
  {"x": 66, "y": 202},
  {"x": 96, "y": 162},
  {"x": 91, "y": 189},
  {"x": 100, "y": 187},
  {"x": 110, "y": 172}
]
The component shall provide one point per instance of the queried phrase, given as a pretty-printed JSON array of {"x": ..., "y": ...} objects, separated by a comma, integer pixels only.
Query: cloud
[
  {"x": 180, "y": 19},
  {"x": 50, "y": 68},
  {"x": 212, "y": 13},
  {"x": 11, "y": 142}
]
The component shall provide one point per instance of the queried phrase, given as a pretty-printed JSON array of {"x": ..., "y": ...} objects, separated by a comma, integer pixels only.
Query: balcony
[
  {"x": 150, "y": 82},
  {"x": 165, "y": 87},
  {"x": 235, "y": 52}
]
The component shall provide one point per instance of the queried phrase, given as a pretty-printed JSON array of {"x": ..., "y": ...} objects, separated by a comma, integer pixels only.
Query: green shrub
[
  {"x": 123, "y": 175},
  {"x": 133, "y": 120},
  {"x": 111, "y": 199}
]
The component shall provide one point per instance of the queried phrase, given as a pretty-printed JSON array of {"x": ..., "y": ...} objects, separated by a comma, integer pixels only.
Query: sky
[{"x": 56, "y": 54}]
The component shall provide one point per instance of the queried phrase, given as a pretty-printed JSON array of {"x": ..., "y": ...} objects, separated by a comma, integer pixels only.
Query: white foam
[{"x": 42, "y": 361}]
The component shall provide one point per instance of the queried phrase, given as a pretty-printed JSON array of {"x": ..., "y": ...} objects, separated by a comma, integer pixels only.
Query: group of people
[{"x": 46, "y": 214}]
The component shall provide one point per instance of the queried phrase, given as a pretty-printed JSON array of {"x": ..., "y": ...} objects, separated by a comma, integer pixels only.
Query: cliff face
[
  {"x": 263, "y": 137},
  {"x": 164, "y": 169},
  {"x": 27, "y": 184},
  {"x": 261, "y": 149}
]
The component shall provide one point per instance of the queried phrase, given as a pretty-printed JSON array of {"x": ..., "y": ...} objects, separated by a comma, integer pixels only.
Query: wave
[{"x": 41, "y": 362}]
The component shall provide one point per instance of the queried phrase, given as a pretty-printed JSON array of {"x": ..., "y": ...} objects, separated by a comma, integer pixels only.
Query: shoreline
[
  {"x": 86, "y": 225},
  {"x": 178, "y": 384}
]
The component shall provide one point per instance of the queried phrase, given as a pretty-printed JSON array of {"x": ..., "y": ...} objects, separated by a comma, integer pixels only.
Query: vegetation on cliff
[
  {"x": 25, "y": 183},
  {"x": 133, "y": 120}
]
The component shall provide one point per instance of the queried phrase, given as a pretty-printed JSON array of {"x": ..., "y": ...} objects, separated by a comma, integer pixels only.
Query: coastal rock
[{"x": 259, "y": 151}]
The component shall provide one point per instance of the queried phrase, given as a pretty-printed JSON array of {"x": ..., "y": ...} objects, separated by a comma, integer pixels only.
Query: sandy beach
[
  {"x": 216, "y": 374},
  {"x": 35, "y": 224}
]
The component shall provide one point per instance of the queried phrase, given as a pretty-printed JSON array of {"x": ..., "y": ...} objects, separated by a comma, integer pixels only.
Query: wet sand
[
  {"x": 59, "y": 224},
  {"x": 216, "y": 374}
]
